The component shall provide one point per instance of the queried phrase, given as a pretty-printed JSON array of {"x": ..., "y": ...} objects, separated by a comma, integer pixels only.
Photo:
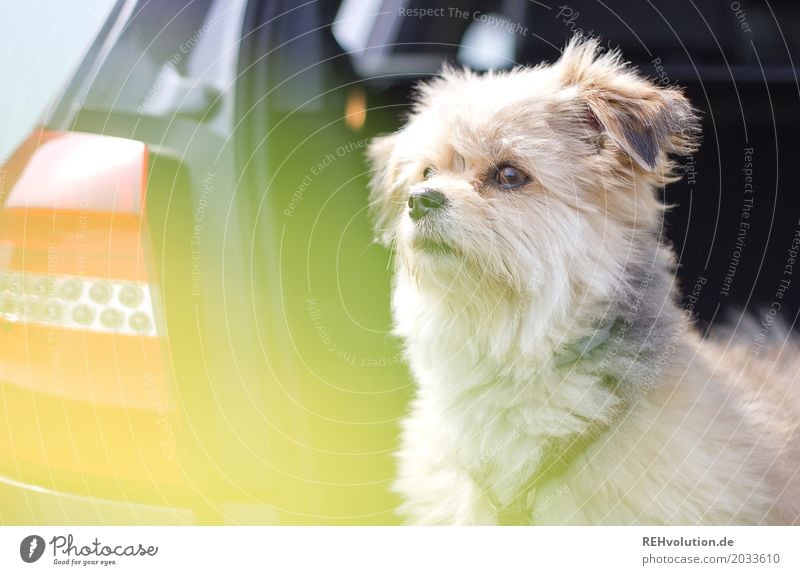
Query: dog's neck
[
  {"x": 450, "y": 318},
  {"x": 515, "y": 391}
]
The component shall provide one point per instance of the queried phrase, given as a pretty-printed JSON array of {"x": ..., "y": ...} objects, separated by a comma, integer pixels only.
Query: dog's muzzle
[{"x": 423, "y": 202}]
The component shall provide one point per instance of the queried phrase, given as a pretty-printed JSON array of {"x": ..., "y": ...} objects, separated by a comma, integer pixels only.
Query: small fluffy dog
[{"x": 559, "y": 382}]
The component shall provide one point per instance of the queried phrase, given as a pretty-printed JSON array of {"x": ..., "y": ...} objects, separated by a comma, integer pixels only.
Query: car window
[{"x": 172, "y": 59}]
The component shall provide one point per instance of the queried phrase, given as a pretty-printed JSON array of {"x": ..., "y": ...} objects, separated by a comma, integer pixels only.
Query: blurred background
[
  {"x": 194, "y": 319},
  {"x": 41, "y": 44}
]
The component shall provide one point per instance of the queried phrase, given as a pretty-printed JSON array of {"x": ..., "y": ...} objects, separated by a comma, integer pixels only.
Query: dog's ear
[
  {"x": 384, "y": 185},
  {"x": 644, "y": 120}
]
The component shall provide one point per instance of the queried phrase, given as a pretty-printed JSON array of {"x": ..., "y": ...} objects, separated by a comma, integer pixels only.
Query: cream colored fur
[{"x": 490, "y": 292}]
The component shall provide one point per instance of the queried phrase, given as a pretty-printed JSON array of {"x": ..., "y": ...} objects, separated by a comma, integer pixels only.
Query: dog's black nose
[{"x": 424, "y": 201}]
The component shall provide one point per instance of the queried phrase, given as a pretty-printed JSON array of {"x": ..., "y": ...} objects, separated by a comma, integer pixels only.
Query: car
[{"x": 194, "y": 317}]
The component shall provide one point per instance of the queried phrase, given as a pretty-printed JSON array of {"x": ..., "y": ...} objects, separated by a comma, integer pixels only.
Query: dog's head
[{"x": 538, "y": 177}]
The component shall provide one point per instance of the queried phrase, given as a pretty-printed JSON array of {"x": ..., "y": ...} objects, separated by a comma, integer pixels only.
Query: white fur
[{"x": 529, "y": 272}]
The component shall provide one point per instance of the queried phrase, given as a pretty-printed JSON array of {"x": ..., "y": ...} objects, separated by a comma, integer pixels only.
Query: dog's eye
[
  {"x": 428, "y": 172},
  {"x": 510, "y": 177}
]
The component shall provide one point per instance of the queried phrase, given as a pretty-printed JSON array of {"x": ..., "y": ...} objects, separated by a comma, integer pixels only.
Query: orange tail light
[{"x": 82, "y": 376}]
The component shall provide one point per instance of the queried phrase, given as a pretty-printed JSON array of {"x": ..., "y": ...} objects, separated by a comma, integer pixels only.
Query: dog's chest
[{"x": 500, "y": 431}]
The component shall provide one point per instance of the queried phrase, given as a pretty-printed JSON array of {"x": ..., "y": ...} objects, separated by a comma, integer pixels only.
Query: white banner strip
[{"x": 400, "y": 550}]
